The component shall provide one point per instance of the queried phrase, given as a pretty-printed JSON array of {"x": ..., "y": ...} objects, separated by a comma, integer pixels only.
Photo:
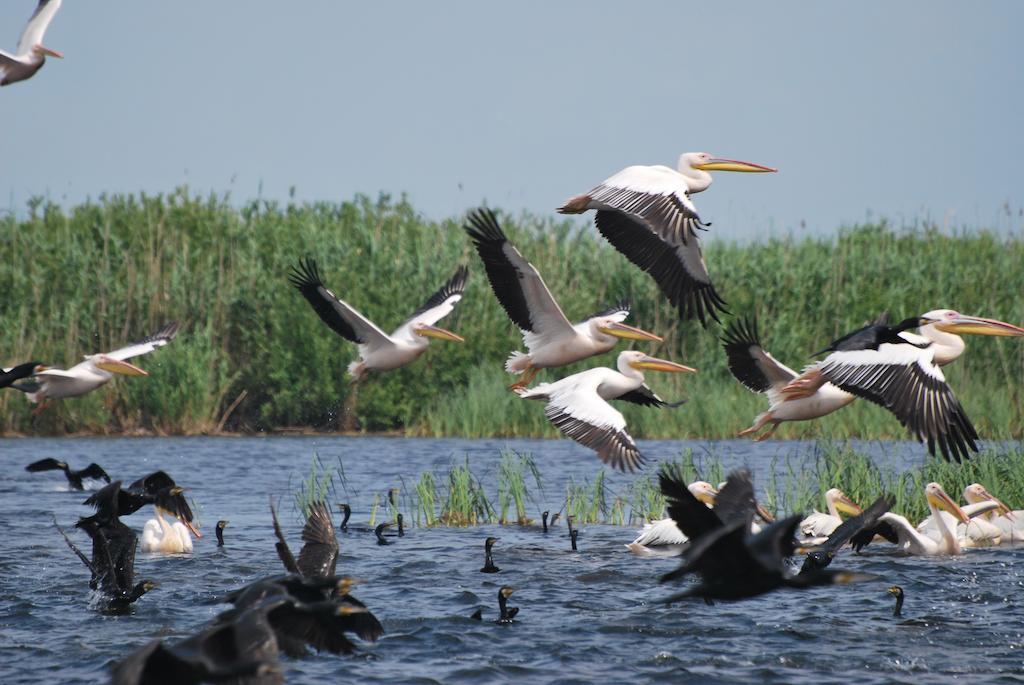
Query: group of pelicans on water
[{"x": 735, "y": 547}]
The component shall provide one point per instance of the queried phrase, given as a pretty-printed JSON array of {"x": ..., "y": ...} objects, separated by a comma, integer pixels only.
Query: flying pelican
[
  {"x": 577, "y": 405},
  {"x": 31, "y": 52},
  {"x": 377, "y": 350},
  {"x": 646, "y": 213},
  {"x": 945, "y": 324},
  {"x": 550, "y": 338},
  {"x": 897, "y": 528},
  {"x": 818, "y": 526},
  {"x": 980, "y": 532},
  {"x": 874, "y": 362},
  {"x": 96, "y": 370},
  {"x": 16, "y": 373}
]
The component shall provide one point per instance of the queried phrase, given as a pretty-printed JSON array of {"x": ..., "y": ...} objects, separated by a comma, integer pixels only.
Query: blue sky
[{"x": 909, "y": 110}]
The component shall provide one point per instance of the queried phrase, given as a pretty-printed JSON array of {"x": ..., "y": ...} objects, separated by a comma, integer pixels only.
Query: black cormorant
[
  {"x": 507, "y": 613},
  {"x": 319, "y": 555},
  {"x": 489, "y": 566},
  {"x": 897, "y": 610},
  {"x": 220, "y": 532},
  {"x": 75, "y": 478},
  {"x": 821, "y": 556}
]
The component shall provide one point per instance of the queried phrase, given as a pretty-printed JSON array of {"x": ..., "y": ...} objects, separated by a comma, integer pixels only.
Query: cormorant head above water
[
  {"x": 379, "y": 532},
  {"x": 346, "y": 513},
  {"x": 219, "y": 530},
  {"x": 544, "y": 520},
  {"x": 507, "y": 613},
  {"x": 897, "y": 591},
  {"x": 489, "y": 566}
]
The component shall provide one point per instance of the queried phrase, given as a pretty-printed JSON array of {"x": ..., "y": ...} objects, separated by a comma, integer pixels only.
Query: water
[{"x": 585, "y": 617}]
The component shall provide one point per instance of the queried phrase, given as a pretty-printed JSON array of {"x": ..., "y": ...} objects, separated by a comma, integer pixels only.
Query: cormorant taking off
[
  {"x": 220, "y": 532},
  {"x": 75, "y": 478},
  {"x": 157, "y": 488},
  {"x": 319, "y": 555},
  {"x": 507, "y": 613},
  {"x": 897, "y": 610},
  {"x": 821, "y": 556},
  {"x": 489, "y": 566}
]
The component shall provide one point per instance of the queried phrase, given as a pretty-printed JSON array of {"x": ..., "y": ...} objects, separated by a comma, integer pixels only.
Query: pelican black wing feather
[
  {"x": 646, "y": 397},
  {"x": 740, "y": 336},
  {"x": 306, "y": 277},
  {"x": 503, "y": 275},
  {"x": 455, "y": 285},
  {"x": 692, "y": 294},
  {"x": 17, "y": 373},
  {"x": 621, "y": 307},
  {"x": 614, "y": 447}
]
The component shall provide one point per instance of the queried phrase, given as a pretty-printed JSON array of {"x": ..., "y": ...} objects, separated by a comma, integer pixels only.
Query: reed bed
[{"x": 252, "y": 356}]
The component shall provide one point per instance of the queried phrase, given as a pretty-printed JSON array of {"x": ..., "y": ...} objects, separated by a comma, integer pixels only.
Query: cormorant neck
[{"x": 898, "y": 609}]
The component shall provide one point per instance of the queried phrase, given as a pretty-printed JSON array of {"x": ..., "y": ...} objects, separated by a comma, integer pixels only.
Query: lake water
[{"x": 589, "y": 616}]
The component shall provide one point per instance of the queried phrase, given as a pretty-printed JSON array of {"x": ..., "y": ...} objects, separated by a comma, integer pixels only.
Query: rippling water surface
[{"x": 585, "y": 617}]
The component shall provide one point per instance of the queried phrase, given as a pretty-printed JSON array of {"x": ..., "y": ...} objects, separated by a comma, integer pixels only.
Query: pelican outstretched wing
[
  {"x": 340, "y": 316},
  {"x": 148, "y": 344}
]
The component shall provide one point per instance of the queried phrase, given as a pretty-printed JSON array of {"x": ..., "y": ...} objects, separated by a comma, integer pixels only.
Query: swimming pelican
[
  {"x": 95, "y": 371},
  {"x": 646, "y": 213},
  {"x": 898, "y": 528},
  {"x": 980, "y": 532},
  {"x": 1010, "y": 523},
  {"x": 159, "y": 536},
  {"x": 31, "y": 53},
  {"x": 818, "y": 525},
  {"x": 377, "y": 350},
  {"x": 577, "y": 405},
  {"x": 875, "y": 363},
  {"x": 550, "y": 338},
  {"x": 663, "y": 534}
]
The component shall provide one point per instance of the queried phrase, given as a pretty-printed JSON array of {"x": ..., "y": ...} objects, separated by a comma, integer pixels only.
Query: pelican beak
[
  {"x": 1003, "y": 509},
  {"x": 439, "y": 333},
  {"x": 845, "y": 504},
  {"x": 732, "y": 165},
  {"x": 123, "y": 368},
  {"x": 621, "y": 330},
  {"x": 765, "y": 514},
  {"x": 52, "y": 53},
  {"x": 192, "y": 529},
  {"x": 39, "y": 368},
  {"x": 655, "y": 364},
  {"x": 978, "y": 326},
  {"x": 943, "y": 501}
]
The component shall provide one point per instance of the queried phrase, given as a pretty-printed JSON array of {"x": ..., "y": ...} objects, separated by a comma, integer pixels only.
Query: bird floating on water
[
  {"x": 646, "y": 213},
  {"x": 74, "y": 478},
  {"x": 818, "y": 526},
  {"x": 577, "y": 405},
  {"x": 898, "y": 530},
  {"x": 377, "y": 350},
  {"x": 551, "y": 340},
  {"x": 897, "y": 592},
  {"x": 30, "y": 54},
  {"x": 219, "y": 530},
  {"x": 95, "y": 371},
  {"x": 979, "y": 532},
  {"x": 507, "y": 613},
  {"x": 165, "y": 538},
  {"x": 489, "y": 566}
]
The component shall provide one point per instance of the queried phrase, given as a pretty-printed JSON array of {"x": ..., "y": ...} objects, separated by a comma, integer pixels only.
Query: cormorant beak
[
  {"x": 977, "y": 326},
  {"x": 765, "y": 514},
  {"x": 47, "y": 51},
  {"x": 621, "y": 330},
  {"x": 894, "y": 590},
  {"x": 941, "y": 500},
  {"x": 439, "y": 333},
  {"x": 718, "y": 164},
  {"x": 123, "y": 368},
  {"x": 845, "y": 504},
  {"x": 655, "y": 364}
]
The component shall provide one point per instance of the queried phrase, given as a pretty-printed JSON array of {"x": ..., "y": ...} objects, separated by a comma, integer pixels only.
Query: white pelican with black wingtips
[
  {"x": 646, "y": 213},
  {"x": 95, "y": 371},
  {"x": 379, "y": 351},
  {"x": 577, "y": 405},
  {"x": 549, "y": 337},
  {"x": 31, "y": 53}
]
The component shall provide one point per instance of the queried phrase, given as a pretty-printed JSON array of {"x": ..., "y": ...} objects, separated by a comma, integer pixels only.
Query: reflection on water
[{"x": 585, "y": 617}]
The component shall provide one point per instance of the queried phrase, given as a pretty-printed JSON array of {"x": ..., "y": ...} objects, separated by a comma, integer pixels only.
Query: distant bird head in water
[
  {"x": 220, "y": 532},
  {"x": 346, "y": 512},
  {"x": 544, "y": 520},
  {"x": 573, "y": 534},
  {"x": 507, "y": 613},
  {"x": 379, "y": 532},
  {"x": 489, "y": 566},
  {"x": 898, "y": 592},
  {"x": 488, "y": 543},
  {"x": 401, "y": 527}
]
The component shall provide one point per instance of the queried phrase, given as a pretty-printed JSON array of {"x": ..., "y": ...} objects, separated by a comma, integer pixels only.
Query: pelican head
[
  {"x": 436, "y": 332},
  {"x": 703, "y": 491},
  {"x": 706, "y": 162},
  {"x": 975, "y": 493},
  {"x": 111, "y": 365},
  {"x": 639, "y": 360},
  {"x": 951, "y": 321},
  {"x": 841, "y": 502},
  {"x": 42, "y": 51},
  {"x": 612, "y": 325},
  {"x": 938, "y": 498}
]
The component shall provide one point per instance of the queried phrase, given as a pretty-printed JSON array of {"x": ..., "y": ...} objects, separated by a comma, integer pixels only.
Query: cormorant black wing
[
  {"x": 692, "y": 516},
  {"x": 736, "y": 501},
  {"x": 282, "y": 545},
  {"x": 94, "y": 471},
  {"x": 853, "y": 525},
  {"x": 775, "y": 543},
  {"x": 319, "y": 555},
  {"x": 48, "y": 464}
]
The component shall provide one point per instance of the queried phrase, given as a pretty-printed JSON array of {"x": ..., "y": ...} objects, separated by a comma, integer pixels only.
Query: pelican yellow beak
[
  {"x": 655, "y": 364},
  {"x": 621, "y": 330},
  {"x": 732, "y": 165},
  {"x": 123, "y": 368},
  {"x": 765, "y": 515},
  {"x": 52, "y": 53},
  {"x": 1003, "y": 509},
  {"x": 847, "y": 505},
  {"x": 977, "y": 326},
  {"x": 439, "y": 333},
  {"x": 941, "y": 500}
]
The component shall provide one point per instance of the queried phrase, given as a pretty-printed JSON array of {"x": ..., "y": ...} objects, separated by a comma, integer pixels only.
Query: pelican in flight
[
  {"x": 377, "y": 350},
  {"x": 899, "y": 530},
  {"x": 881, "y": 364},
  {"x": 646, "y": 213},
  {"x": 550, "y": 338},
  {"x": 95, "y": 371},
  {"x": 577, "y": 405},
  {"x": 31, "y": 52}
]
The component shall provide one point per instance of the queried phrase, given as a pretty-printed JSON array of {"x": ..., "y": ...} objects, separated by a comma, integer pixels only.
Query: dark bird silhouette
[
  {"x": 874, "y": 334},
  {"x": 75, "y": 478},
  {"x": 477, "y": 615},
  {"x": 507, "y": 613},
  {"x": 16, "y": 373},
  {"x": 220, "y": 532},
  {"x": 243, "y": 652},
  {"x": 157, "y": 488},
  {"x": 319, "y": 555},
  {"x": 731, "y": 562},
  {"x": 489, "y": 566},
  {"x": 573, "y": 532},
  {"x": 821, "y": 556},
  {"x": 112, "y": 567},
  {"x": 896, "y": 590},
  {"x": 379, "y": 532},
  {"x": 346, "y": 512},
  {"x": 544, "y": 521}
]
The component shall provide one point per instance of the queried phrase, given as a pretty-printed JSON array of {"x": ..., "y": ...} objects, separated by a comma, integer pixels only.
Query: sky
[{"x": 909, "y": 111}]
